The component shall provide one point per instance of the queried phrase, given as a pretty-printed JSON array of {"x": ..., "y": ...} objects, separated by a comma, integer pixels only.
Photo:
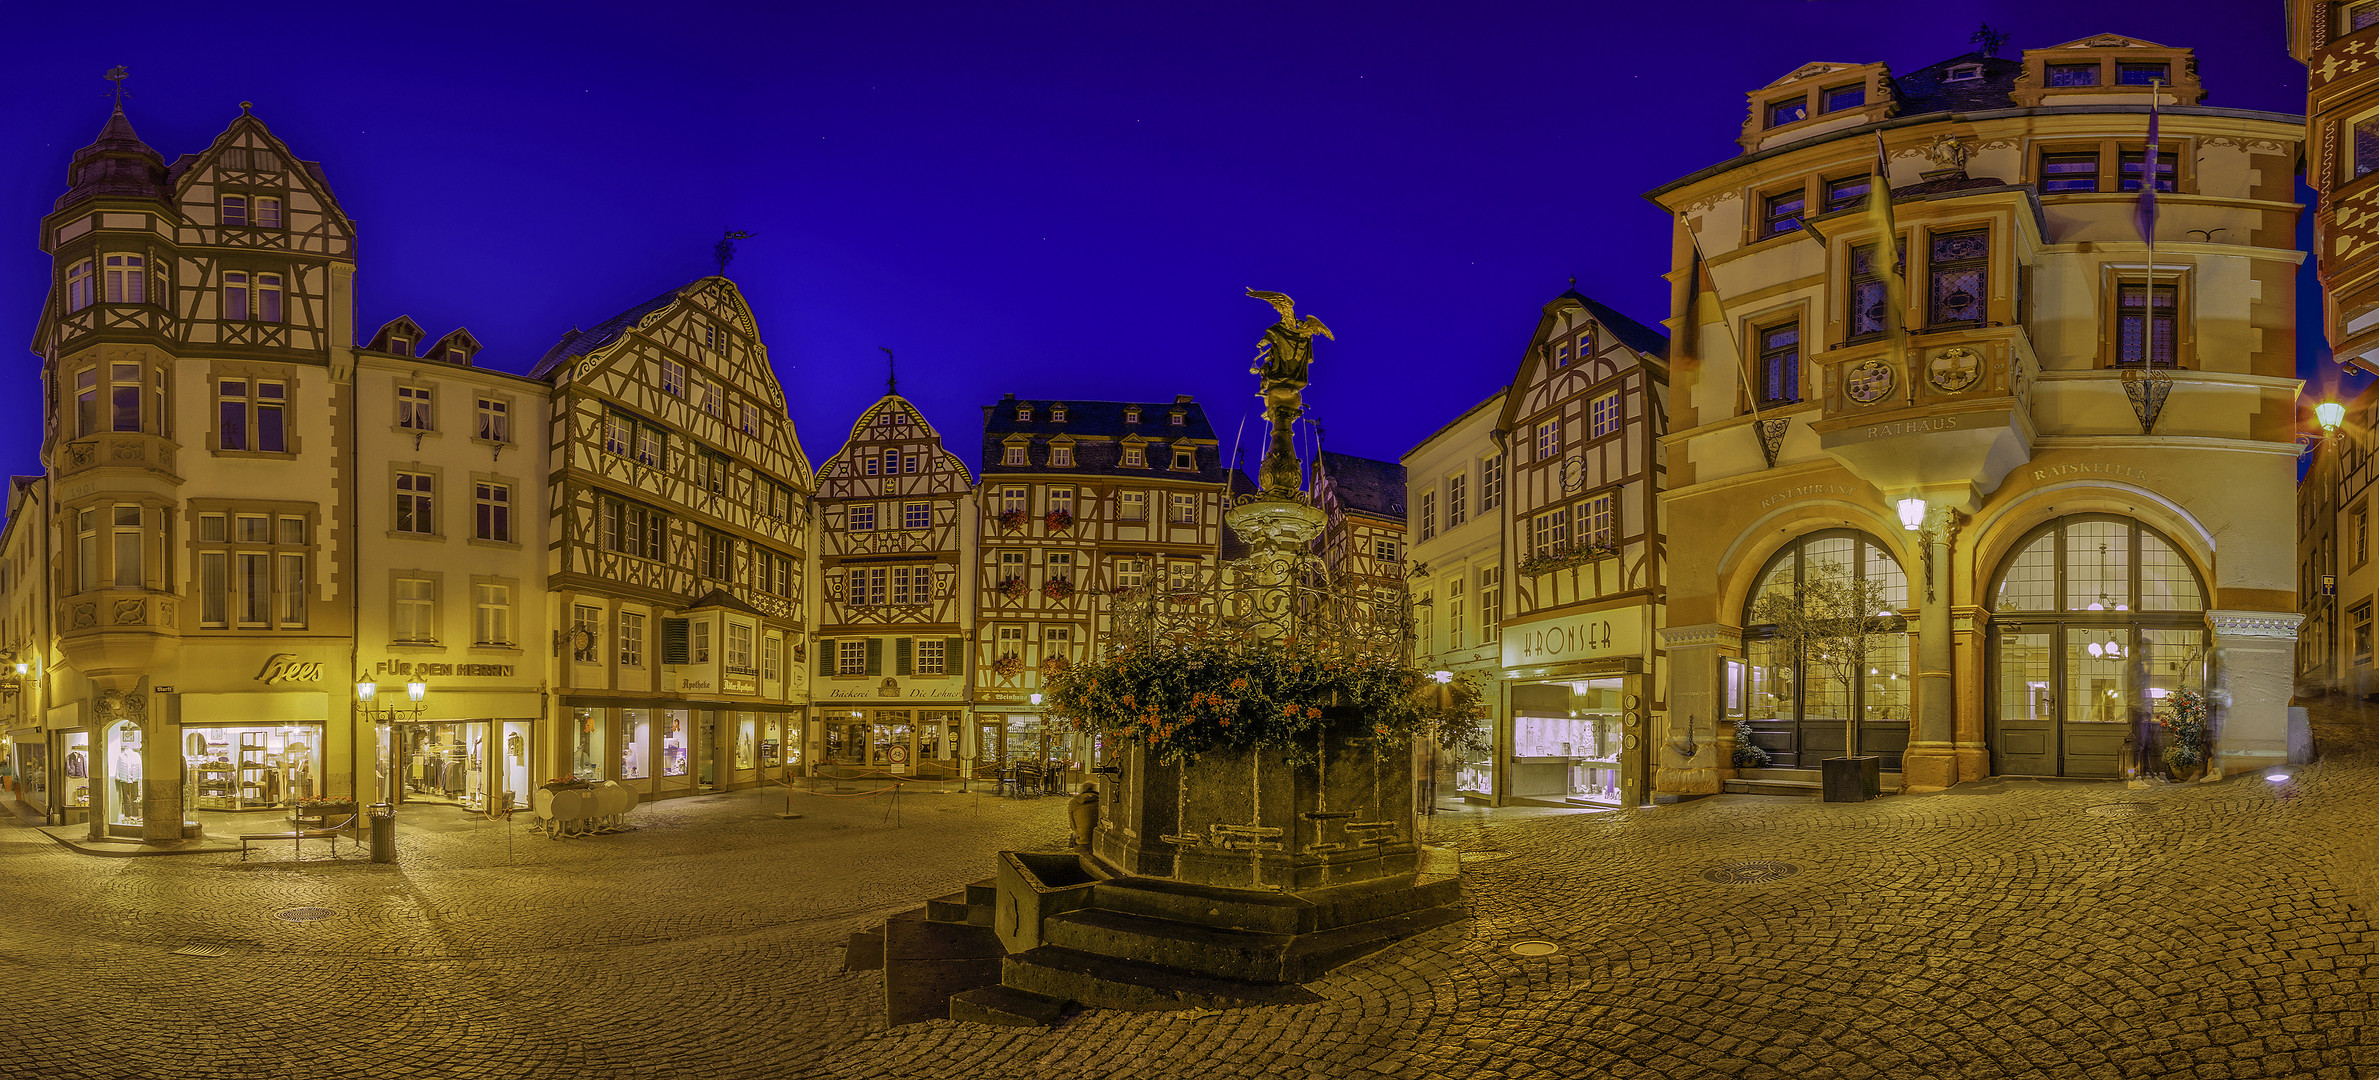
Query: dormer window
[
  {"x": 402, "y": 346},
  {"x": 1185, "y": 459},
  {"x": 2073, "y": 74},
  {"x": 455, "y": 355},
  {"x": 1062, "y": 455},
  {"x": 1024, "y": 414},
  {"x": 1134, "y": 457},
  {"x": 1131, "y": 414},
  {"x": 1014, "y": 456},
  {"x": 1057, "y": 414},
  {"x": 1964, "y": 73},
  {"x": 2143, "y": 74},
  {"x": 1179, "y": 418},
  {"x": 1793, "y": 111},
  {"x": 1845, "y": 97}
]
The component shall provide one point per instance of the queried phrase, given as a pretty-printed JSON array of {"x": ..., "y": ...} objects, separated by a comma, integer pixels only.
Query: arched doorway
[
  {"x": 1800, "y": 721},
  {"x": 2087, "y": 606}
]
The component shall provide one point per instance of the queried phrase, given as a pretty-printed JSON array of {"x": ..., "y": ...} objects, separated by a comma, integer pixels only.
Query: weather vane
[
  {"x": 891, "y": 374},
  {"x": 724, "y": 251},
  {"x": 1989, "y": 39},
  {"x": 116, "y": 75}
]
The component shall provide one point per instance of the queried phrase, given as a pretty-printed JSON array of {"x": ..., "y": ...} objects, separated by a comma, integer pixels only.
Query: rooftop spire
[
  {"x": 116, "y": 75},
  {"x": 891, "y": 375},
  {"x": 116, "y": 164}
]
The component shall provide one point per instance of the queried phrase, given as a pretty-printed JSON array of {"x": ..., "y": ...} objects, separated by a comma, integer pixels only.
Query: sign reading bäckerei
[{"x": 1592, "y": 635}]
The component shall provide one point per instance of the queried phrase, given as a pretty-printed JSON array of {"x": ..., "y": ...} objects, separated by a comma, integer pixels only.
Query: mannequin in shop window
[{"x": 124, "y": 767}]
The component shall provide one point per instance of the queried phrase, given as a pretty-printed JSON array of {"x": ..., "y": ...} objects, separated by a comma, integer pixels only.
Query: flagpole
[{"x": 1742, "y": 361}]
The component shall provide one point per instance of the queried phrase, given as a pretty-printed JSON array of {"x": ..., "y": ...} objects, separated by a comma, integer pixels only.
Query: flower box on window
[
  {"x": 1057, "y": 588},
  {"x": 1007, "y": 666},
  {"x": 1012, "y": 588},
  {"x": 1563, "y": 557},
  {"x": 1012, "y": 520},
  {"x": 1058, "y": 520}
]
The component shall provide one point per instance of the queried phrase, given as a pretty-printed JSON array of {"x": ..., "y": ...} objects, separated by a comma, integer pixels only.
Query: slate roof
[
  {"x": 1366, "y": 485},
  {"x": 1928, "y": 89},
  {"x": 1104, "y": 422},
  {"x": 1633, "y": 334},
  {"x": 577, "y": 343},
  {"x": 116, "y": 165}
]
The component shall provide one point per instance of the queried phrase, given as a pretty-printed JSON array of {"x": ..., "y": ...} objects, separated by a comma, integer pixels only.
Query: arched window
[
  {"x": 2092, "y": 616},
  {"x": 1800, "y": 717}
]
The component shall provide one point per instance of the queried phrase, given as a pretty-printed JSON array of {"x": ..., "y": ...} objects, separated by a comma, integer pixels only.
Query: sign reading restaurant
[{"x": 1592, "y": 635}]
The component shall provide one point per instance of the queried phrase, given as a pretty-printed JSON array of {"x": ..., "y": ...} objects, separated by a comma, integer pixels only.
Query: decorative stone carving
[
  {"x": 1946, "y": 152},
  {"x": 84, "y": 616},
  {"x": 1868, "y": 381},
  {"x": 131, "y": 612},
  {"x": 1954, "y": 370},
  {"x": 2276, "y": 625}
]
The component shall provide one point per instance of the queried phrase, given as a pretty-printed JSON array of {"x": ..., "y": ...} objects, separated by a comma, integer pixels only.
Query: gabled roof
[
  {"x": 402, "y": 325},
  {"x": 576, "y": 342},
  {"x": 720, "y": 598},
  {"x": 313, "y": 169},
  {"x": 455, "y": 338},
  {"x": 1365, "y": 485},
  {"x": 867, "y": 418},
  {"x": 1633, "y": 334}
]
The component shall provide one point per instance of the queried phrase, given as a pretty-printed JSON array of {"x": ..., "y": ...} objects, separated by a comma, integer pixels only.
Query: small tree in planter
[
  {"x": 1826, "y": 627},
  {"x": 2185, "y": 729}
]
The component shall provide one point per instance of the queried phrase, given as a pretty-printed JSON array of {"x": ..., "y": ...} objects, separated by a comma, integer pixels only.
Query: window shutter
[
  {"x": 875, "y": 656},
  {"x": 956, "y": 659},
  {"x": 826, "y": 654},
  {"x": 673, "y": 641},
  {"x": 904, "y": 650}
]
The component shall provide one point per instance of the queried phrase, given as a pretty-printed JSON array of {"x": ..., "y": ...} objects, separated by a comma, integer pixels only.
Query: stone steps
[
  {"x": 927, "y": 961},
  {"x": 1005, "y": 1006},
  {"x": 1743, "y": 786},
  {"x": 1108, "y": 982}
]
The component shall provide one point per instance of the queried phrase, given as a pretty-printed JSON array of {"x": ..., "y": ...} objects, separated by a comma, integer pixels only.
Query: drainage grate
[
  {"x": 303, "y": 914},
  {"x": 1749, "y": 871},
  {"x": 1485, "y": 856},
  {"x": 196, "y": 949},
  {"x": 1532, "y": 947},
  {"x": 2123, "y": 809}
]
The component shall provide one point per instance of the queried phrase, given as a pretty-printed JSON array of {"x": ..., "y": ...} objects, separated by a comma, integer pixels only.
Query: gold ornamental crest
[
  {"x": 1868, "y": 381},
  {"x": 1953, "y": 370}
]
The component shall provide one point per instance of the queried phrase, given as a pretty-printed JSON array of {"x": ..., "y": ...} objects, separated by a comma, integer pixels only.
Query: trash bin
[{"x": 383, "y": 832}]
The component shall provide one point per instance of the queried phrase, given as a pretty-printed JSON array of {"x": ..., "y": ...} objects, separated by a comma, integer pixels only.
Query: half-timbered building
[
  {"x": 197, "y": 349},
  {"x": 680, "y": 500},
  {"x": 1584, "y": 416},
  {"x": 895, "y": 515},
  {"x": 1362, "y": 541},
  {"x": 1078, "y": 498}
]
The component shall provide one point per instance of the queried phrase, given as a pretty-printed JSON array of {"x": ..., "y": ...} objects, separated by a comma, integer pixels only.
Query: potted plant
[
  {"x": 1827, "y": 626},
  {"x": 2184, "y": 724},
  {"x": 1577, "y": 553}
]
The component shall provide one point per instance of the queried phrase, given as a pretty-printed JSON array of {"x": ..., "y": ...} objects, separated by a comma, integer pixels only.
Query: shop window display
[
  {"x": 445, "y": 762},
  {"x": 889, "y": 746},
  {"x": 75, "y": 762},
  {"x": 636, "y": 730},
  {"x": 33, "y": 774},
  {"x": 586, "y": 759},
  {"x": 770, "y": 731},
  {"x": 673, "y": 744},
  {"x": 514, "y": 771},
  {"x": 1566, "y": 741},
  {"x": 250, "y": 768},
  {"x": 123, "y": 774},
  {"x": 747, "y": 736}
]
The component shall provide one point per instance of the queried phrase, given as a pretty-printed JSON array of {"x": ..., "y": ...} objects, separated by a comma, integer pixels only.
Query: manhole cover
[
  {"x": 2123, "y": 809},
  {"x": 1749, "y": 871},
  {"x": 1485, "y": 856},
  {"x": 1532, "y": 948},
  {"x": 195, "y": 949},
  {"x": 303, "y": 914}
]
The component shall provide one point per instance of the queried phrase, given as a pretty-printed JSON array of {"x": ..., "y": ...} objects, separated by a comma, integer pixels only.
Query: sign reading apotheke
[{"x": 1593, "y": 635}]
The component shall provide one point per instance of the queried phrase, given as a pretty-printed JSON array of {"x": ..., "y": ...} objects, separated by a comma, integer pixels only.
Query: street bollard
[{"x": 383, "y": 832}]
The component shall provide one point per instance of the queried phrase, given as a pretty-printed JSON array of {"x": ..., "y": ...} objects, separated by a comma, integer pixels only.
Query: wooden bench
[{"x": 297, "y": 838}]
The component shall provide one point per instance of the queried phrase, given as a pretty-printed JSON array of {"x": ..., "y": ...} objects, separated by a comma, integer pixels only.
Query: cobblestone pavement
[{"x": 2002, "y": 929}]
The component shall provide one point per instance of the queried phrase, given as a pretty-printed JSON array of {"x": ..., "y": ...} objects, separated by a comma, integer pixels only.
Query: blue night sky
[{"x": 1053, "y": 200}]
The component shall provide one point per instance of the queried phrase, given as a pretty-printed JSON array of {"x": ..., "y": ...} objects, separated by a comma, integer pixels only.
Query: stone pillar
[
  {"x": 2256, "y": 658},
  {"x": 1931, "y": 762},
  {"x": 1969, "y": 646},
  {"x": 1696, "y": 755}
]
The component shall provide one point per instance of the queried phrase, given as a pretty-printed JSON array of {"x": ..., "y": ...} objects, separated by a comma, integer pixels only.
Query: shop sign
[
  {"x": 287, "y": 668},
  {"x": 426, "y": 670},
  {"x": 2101, "y": 468},
  {"x": 1920, "y": 426},
  {"x": 685, "y": 684},
  {"x": 1591, "y": 636},
  {"x": 890, "y": 689},
  {"x": 734, "y": 683},
  {"x": 1806, "y": 491}
]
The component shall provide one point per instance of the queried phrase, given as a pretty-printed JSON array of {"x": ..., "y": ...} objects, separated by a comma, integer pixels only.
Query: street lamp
[
  {"x": 367, "y": 690},
  {"x": 2331, "y": 414},
  {"x": 1912, "y": 514}
]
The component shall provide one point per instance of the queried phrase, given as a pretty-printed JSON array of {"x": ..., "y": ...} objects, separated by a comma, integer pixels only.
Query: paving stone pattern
[{"x": 1996, "y": 930}]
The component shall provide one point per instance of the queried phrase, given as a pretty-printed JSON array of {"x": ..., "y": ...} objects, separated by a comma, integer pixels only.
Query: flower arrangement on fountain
[
  {"x": 1012, "y": 520},
  {"x": 1012, "y": 588},
  {"x": 1181, "y": 700},
  {"x": 1578, "y": 553},
  {"x": 1058, "y": 520},
  {"x": 1057, "y": 588}
]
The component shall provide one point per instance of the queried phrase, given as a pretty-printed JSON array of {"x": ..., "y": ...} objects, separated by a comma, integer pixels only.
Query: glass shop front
[
  {"x": 1577, "y": 742},
  {"x": 261, "y": 767},
  {"x": 923, "y": 743},
  {"x": 466, "y": 763}
]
